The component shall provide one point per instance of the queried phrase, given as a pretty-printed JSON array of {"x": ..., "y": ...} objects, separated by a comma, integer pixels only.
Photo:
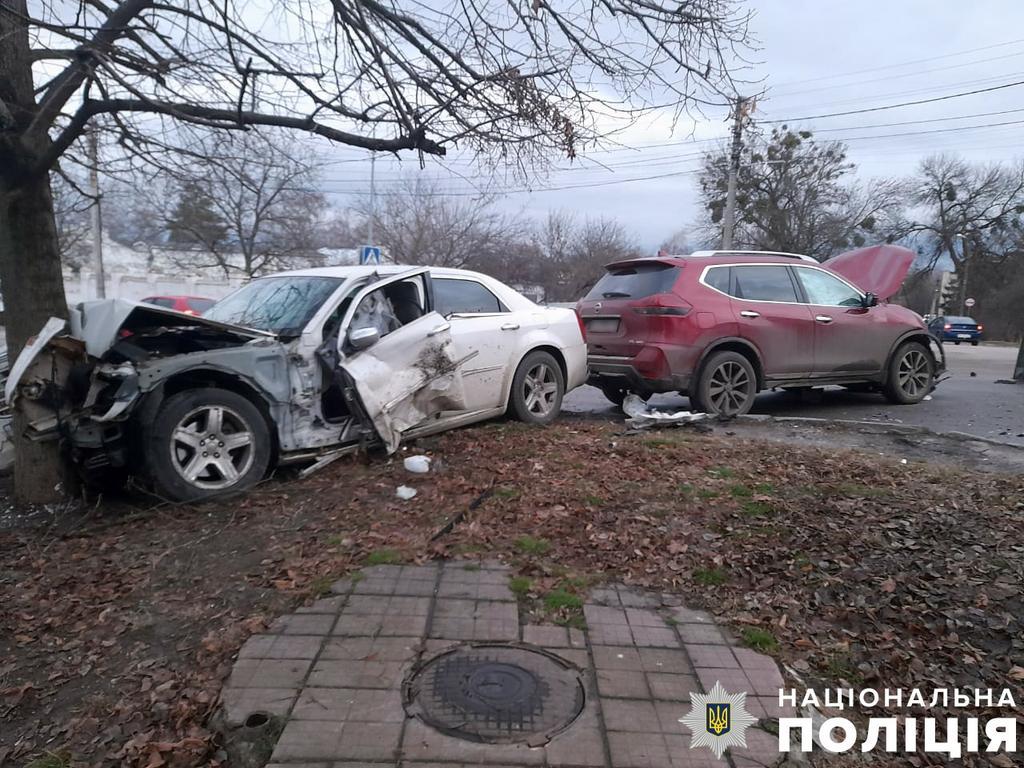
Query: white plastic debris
[
  {"x": 642, "y": 415},
  {"x": 419, "y": 465},
  {"x": 927, "y": 397},
  {"x": 903, "y": 461},
  {"x": 405, "y": 493}
]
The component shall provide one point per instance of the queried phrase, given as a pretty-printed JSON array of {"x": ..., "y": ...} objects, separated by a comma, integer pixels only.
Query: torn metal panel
[{"x": 28, "y": 356}]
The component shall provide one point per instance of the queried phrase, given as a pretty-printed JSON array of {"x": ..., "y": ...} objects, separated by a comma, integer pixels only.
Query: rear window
[
  {"x": 159, "y": 301},
  {"x": 635, "y": 281},
  {"x": 961, "y": 320}
]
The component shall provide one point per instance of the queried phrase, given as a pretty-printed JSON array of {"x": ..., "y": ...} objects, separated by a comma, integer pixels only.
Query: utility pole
[
  {"x": 729, "y": 220},
  {"x": 96, "y": 215},
  {"x": 373, "y": 199},
  {"x": 963, "y": 277}
]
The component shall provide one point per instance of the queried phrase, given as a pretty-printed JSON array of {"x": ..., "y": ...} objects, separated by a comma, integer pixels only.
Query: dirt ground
[{"x": 118, "y": 622}]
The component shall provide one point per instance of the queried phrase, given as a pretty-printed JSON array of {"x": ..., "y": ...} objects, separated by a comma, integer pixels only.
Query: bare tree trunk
[
  {"x": 1018, "y": 369},
  {"x": 30, "y": 274}
]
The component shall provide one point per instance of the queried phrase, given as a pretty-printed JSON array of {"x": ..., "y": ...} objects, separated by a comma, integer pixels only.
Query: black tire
[
  {"x": 531, "y": 401},
  {"x": 727, "y": 385},
  {"x": 911, "y": 374},
  {"x": 974, "y": 343},
  {"x": 956, "y": 343},
  {"x": 169, "y": 458}
]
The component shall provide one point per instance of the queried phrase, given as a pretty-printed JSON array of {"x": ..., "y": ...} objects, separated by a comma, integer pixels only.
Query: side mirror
[
  {"x": 362, "y": 338},
  {"x": 870, "y": 300}
]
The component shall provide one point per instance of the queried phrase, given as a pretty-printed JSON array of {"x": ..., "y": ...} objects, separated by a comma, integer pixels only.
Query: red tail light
[
  {"x": 981, "y": 327},
  {"x": 664, "y": 304},
  {"x": 948, "y": 327},
  {"x": 579, "y": 319}
]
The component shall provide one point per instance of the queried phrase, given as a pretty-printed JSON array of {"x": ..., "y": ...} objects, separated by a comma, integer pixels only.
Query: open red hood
[{"x": 879, "y": 269}]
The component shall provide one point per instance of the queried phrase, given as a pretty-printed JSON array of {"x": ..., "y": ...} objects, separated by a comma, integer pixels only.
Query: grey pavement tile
[
  {"x": 425, "y": 744},
  {"x": 683, "y": 756},
  {"x": 630, "y": 715},
  {"x": 616, "y": 657},
  {"x": 582, "y": 744},
  {"x": 281, "y": 647},
  {"x": 655, "y": 637},
  {"x": 605, "y": 596},
  {"x": 635, "y": 598},
  {"x": 577, "y": 639},
  {"x": 356, "y": 625},
  {"x": 670, "y": 660},
  {"x": 303, "y": 624},
  {"x": 640, "y": 617},
  {"x": 308, "y": 740},
  {"x": 600, "y": 614},
  {"x": 370, "y": 648},
  {"x": 669, "y": 713},
  {"x": 268, "y": 673},
  {"x": 239, "y": 703},
  {"x": 323, "y": 605},
  {"x": 672, "y": 687},
  {"x": 682, "y": 615},
  {"x": 771, "y": 707},
  {"x": 733, "y": 680},
  {"x": 625, "y": 684},
  {"x": 765, "y": 682},
  {"x": 712, "y": 656},
  {"x": 762, "y": 750},
  {"x": 610, "y": 634},
  {"x": 370, "y": 741},
  {"x": 707, "y": 634},
  {"x": 638, "y": 750},
  {"x": 546, "y": 636},
  {"x": 350, "y": 705},
  {"x": 750, "y": 659},
  {"x": 357, "y": 674},
  {"x": 575, "y": 656}
]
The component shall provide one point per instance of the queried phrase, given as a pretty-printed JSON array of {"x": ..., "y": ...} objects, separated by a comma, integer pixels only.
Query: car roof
[
  {"x": 717, "y": 257},
  {"x": 366, "y": 270}
]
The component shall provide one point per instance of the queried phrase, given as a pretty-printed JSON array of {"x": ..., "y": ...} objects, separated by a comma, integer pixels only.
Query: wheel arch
[
  {"x": 926, "y": 340},
  {"x": 731, "y": 344},
  {"x": 552, "y": 350}
]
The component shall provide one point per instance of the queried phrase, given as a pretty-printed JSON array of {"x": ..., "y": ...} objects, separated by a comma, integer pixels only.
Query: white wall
[{"x": 82, "y": 287}]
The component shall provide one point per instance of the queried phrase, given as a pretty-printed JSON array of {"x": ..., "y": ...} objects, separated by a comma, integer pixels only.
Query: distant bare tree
[
  {"x": 576, "y": 254},
  {"x": 417, "y": 223},
  {"x": 71, "y": 213},
  {"x": 676, "y": 243},
  {"x": 794, "y": 194},
  {"x": 385, "y": 75}
]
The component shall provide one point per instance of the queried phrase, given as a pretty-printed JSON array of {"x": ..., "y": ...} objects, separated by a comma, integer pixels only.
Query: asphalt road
[{"x": 968, "y": 401}]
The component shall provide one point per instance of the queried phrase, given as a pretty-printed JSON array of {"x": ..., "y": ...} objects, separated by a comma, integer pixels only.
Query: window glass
[
  {"x": 467, "y": 296},
  {"x": 635, "y": 281},
  {"x": 160, "y": 301},
  {"x": 718, "y": 278},
  {"x": 960, "y": 320},
  {"x": 280, "y": 304},
  {"x": 824, "y": 289},
  {"x": 200, "y": 305},
  {"x": 764, "y": 283}
]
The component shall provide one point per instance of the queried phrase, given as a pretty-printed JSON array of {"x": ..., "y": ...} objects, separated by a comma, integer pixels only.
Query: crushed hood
[
  {"x": 98, "y": 323},
  {"x": 879, "y": 269}
]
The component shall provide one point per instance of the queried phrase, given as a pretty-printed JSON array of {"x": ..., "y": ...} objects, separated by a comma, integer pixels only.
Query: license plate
[
  {"x": 603, "y": 324},
  {"x": 963, "y": 335}
]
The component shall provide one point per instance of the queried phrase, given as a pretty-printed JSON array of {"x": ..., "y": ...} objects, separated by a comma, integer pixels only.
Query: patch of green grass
[
  {"x": 723, "y": 472},
  {"x": 573, "y": 621},
  {"x": 685, "y": 489},
  {"x": 707, "y": 493},
  {"x": 321, "y": 585},
  {"x": 740, "y": 491},
  {"x": 710, "y": 577},
  {"x": 531, "y": 546},
  {"x": 840, "y": 666},
  {"x": 383, "y": 557},
  {"x": 753, "y": 508},
  {"x": 51, "y": 760},
  {"x": 764, "y": 488},
  {"x": 506, "y": 493},
  {"x": 593, "y": 501},
  {"x": 759, "y": 639},
  {"x": 560, "y": 599},
  {"x": 334, "y": 541},
  {"x": 520, "y": 586}
]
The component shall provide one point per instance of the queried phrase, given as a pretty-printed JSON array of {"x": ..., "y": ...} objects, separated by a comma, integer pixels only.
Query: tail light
[
  {"x": 579, "y": 319},
  {"x": 947, "y": 327},
  {"x": 664, "y": 304},
  {"x": 981, "y": 327}
]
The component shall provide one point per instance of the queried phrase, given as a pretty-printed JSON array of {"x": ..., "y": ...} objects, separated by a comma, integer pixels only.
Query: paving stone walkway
[{"x": 330, "y": 676}]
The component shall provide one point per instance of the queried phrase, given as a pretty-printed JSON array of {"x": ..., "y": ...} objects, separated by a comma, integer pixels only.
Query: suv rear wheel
[
  {"x": 206, "y": 442},
  {"x": 727, "y": 385},
  {"x": 911, "y": 374}
]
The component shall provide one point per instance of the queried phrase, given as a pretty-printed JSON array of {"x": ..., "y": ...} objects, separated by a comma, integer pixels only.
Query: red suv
[{"x": 719, "y": 326}]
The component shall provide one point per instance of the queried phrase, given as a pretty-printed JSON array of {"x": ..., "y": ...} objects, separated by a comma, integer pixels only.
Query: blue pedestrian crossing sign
[{"x": 369, "y": 254}]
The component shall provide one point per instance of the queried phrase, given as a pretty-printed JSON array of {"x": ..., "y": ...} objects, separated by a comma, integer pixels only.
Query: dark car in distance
[
  {"x": 719, "y": 326},
  {"x": 190, "y": 305},
  {"x": 956, "y": 328}
]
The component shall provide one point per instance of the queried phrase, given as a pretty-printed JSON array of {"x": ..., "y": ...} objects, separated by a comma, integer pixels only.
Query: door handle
[
  {"x": 749, "y": 313},
  {"x": 510, "y": 327},
  {"x": 439, "y": 329},
  {"x": 823, "y": 319}
]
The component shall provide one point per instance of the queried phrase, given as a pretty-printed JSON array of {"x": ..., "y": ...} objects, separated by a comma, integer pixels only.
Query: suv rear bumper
[{"x": 614, "y": 371}]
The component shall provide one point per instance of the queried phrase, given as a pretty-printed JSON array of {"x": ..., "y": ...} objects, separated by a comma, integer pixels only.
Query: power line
[{"x": 896, "y": 106}]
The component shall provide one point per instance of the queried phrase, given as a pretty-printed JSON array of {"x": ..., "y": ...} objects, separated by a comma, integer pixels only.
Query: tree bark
[
  {"x": 30, "y": 272},
  {"x": 1018, "y": 369}
]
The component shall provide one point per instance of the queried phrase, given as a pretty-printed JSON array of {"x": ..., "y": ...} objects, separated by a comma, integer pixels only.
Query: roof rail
[{"x": 704, "y": 254}]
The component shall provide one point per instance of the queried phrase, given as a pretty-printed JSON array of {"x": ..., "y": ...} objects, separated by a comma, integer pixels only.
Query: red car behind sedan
[{"x": 190, "y": 305}]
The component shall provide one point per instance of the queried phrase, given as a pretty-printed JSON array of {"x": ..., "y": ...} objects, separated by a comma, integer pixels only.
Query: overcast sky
[{"x": 814, "y": 58}]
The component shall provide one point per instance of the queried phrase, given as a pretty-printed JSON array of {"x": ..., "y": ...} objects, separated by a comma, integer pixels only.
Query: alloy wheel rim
[
  {"x": 914, "y": 374},
  {"x": 212, "y": 447},
  {"x": 729, "y": 388},
  {"x": 540, "y": 388}
]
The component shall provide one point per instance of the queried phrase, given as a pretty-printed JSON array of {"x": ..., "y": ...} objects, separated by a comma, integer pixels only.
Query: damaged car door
[{"x": 398, "y": 354}]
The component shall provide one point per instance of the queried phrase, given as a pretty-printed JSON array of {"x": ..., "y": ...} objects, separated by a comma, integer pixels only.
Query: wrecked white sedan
[{"x": 290, "y": 368}]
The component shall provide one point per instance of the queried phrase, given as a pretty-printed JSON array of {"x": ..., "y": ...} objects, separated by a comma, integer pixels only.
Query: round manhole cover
[{"x": 499, "y": 694}]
